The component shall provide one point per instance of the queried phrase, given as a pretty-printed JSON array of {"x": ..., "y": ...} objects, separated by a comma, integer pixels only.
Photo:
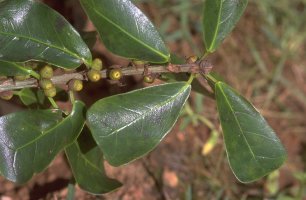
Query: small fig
[
  {"x": 46, "y": 72},
  {"x": 115, "y": 74},
  {"x": 97, "y": 64},
  {"x": 6, "y": 95},
  {"x": 94, "y": 75},
  {"x": 21, "y": 77},
  {"x": 148, "y": 79},
  {"x": 46, "y": 84},
  {"x": 139, "y": 62},
  {"x": 51, "y": 92},
  {"x": 75, "y": 85}
]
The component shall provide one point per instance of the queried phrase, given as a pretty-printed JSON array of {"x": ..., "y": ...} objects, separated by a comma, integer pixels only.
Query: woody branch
[{"x": 198, "y": 67}]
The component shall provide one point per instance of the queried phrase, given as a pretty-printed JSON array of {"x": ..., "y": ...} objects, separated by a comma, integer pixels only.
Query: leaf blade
[
  {"x": 139, "y": 120},
  {"x": 13, "y": 69},
  {"x": 86, "y": 161},
  {"x": 30, "y": 140},
  {"x": 27, "y": 96},
  {"x": 252, "y": 146},
  {"x": 220, "y": 18},
  {"x": 125, "y": 30},
  {"x": 50, "y": 38}
]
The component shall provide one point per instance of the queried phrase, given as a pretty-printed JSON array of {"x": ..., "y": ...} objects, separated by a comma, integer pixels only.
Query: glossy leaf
[
  {"x": 252, "y": 147},
  {"x": 220, "y": 18},
  {"x": 128, "y": 126},
  {"x": 30, "y": 140},
  {"x": 13, "y": 69},
  {"x": 125, "y": 30},
  {"x": 87, "y": 164},
  {"x": 29, "y": 97},
  {"x": 30, "y": 30}
]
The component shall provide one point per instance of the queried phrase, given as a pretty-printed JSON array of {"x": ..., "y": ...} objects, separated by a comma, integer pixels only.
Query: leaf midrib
[
  {"x": 128, "y": 34},
  {"x": 237, "y": 121},
  {"x": 218, "y": 25},
  {"x": 43, "y": 43},
  {"x": 149, "y": 112},
  {"x": 83, "y": 157},
  {"x": 46, "y": 132}
]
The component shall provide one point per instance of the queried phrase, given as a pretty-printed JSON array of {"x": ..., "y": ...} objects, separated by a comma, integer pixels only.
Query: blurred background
[{"x": 264, "y": 59}]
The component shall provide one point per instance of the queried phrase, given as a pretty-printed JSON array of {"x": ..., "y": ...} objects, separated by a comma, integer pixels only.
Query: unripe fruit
[
  {"x": 97, "y": 64},
  {"x": 148, "y": 79},
  {"x": 46, "y": 84},
  {"x": 6, "y": 95},
  {"x": 115, "y": 74},
  {"x": 139, "y": 62},
  {"x": 21, "y": 77},
  {"x": 46, "y": 72},
  {"x": 94, "y": 75},
  {"x": 192, "y": 59},
  {"x": 31, "y": 65},
  {"x": 51, "y": 92},
  {"x": 75, "y": 85}
]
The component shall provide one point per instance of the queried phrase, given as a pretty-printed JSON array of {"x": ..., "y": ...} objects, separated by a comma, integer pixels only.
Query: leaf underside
[
  {"x": 252, "y": 146},
  {"x": 128, "y": 126},
  {"x": 30, "y": 30},
  {"x": 125, "y": 30},
  {"x": 30, "y": 140}
]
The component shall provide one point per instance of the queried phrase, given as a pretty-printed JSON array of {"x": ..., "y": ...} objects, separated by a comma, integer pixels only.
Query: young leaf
[
  {"x": 128, "y": 126},
  {"x": 125, "y": 30},
  {"x": 220, "y": 18},
  {"x": 86, "y": 161},
  {"x": 13, "y": 69},
  {"x": 252, "y": 147},
  {"x": 30, "y": 140},
  {"x": 30, "y": 30},
  {"x": 27, "y": 96}
]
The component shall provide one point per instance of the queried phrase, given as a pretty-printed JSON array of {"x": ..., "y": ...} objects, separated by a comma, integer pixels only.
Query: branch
[{"x": 198, "y": 67}]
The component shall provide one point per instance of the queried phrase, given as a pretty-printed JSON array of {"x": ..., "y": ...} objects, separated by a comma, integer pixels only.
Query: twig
[{"x": 199, "y": 67}]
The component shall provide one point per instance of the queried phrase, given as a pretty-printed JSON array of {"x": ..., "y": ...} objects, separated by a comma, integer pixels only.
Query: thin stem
[
  {"x": 192, "y": 76},
  {"x": 193, "y": 68},
  {"x": 210, "y": 78},
  {"x": 205, "y": 55},
  {"x": 34, "y": 74},
  {"x": 53, "y": 103},
  {"x": 71, "y": 96}
]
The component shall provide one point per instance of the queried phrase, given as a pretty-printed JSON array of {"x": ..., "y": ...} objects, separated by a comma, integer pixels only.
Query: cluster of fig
[
  {"x": 93, "y": 75},
  {"x": 45, "y": 83}
]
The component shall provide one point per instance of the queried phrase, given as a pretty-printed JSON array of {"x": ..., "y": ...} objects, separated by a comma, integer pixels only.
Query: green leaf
[
  {"x": 30, "y": 140},
  {"x": 220, "y": 18},
  {"x": 128, "y": 126},
  {"x": 252, "y": 147},
  {"x": 125, "y": 30},
  {"x": 29, "y": 97},
  {"x": 30, "y": 30},
  {"x": 13, "y": 69},
  {"x": 87, "y": 164}
]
